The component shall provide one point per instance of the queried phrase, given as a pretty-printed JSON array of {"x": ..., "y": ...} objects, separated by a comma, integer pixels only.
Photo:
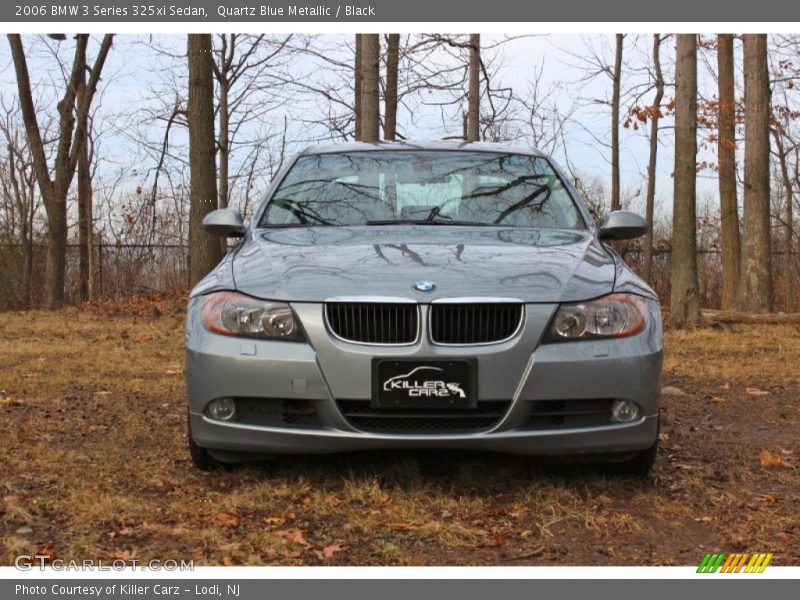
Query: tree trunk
[
  {"x": 684, "y": 298},
  {"x": 357, "y": 72},
  {"x": 474, "y": 92},
  {"x": 651, "y": 165},
  {"x": 755, "y": 293},
  {"x": 224, "y": 143},
  {"x": 84, "y": 221},
  {"x": 726, "y": 149},
  {"x": 56, "y": 262},
  {"x": 84, "y": 208},
  {"x": 204, "y": 250},
  {"x": 392, "y": 60},
  {"x": 788, "y": 188},
  {"x": 617, "y": 77},
  {"x": 370, "y": 80},
  {"x": 224, "y": 151},
  {"x": 28, "y": 242}
]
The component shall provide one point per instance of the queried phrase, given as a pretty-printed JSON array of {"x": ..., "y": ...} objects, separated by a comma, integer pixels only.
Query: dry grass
[{"x": 93, "y": 460}]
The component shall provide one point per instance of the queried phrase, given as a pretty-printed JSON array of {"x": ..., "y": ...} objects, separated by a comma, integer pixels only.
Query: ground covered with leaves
[{"x": 93, "y": 464}]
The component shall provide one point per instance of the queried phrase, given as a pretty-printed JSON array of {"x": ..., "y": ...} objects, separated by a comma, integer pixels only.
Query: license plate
[{"x": 421, "y": 384}]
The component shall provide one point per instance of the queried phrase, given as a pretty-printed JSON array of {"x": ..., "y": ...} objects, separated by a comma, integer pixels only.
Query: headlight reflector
[
  {"x": 231, "y": 313},
  {"x": 616, "y": 315}
]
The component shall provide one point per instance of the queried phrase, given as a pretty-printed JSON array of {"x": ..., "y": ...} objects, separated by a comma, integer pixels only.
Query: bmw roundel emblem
[{"x": 424, "y": 286}]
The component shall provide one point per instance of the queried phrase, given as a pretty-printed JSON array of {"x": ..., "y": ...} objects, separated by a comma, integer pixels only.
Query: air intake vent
[
  {"x": 362, "y": 415},
  {"x": 373, "y": 322},
  {"x": 564, "y": 414},
  {"x": 474, "y": 323}
]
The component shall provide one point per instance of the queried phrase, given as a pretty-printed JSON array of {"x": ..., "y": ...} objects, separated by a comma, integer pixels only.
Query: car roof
[{"x": 442, "y": 145}]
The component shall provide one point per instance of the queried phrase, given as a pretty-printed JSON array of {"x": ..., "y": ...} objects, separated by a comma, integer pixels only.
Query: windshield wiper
[
  {"x": 295, "y": 225},
  {"x": 426, "y": 222}
]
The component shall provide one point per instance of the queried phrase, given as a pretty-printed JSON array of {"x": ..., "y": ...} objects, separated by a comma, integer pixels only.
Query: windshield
[{"x": 422, "y": 187}]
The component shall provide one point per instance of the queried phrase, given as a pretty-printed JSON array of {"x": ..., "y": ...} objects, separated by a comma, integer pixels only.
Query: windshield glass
[{"x": 424, "y": 187}]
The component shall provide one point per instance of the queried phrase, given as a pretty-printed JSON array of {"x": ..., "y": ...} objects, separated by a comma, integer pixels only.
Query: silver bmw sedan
[{"x": 432, "y": 295}]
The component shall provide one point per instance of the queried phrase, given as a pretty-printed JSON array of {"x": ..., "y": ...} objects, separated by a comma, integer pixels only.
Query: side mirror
[
  {"x": 622, "y": 225},
  {"x": 224, "y": 222}
]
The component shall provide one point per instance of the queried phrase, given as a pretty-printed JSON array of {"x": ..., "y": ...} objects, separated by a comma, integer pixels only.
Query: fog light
[
  {"x": 624, "y": 411},
  {"x": 222, "y": 409}
]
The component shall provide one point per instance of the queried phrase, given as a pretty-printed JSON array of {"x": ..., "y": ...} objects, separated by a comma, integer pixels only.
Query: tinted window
[{"x": 469, "y": 188}]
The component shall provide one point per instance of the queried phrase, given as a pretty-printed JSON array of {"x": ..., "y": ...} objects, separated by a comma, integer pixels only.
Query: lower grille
[
  {"x": 373, "y": 322},
  {"x": 483, "y": 323},
  {"x": 362, "y": 415},
  {"x": 565, "y": 414},
  {"x": 276, "y": 412}
]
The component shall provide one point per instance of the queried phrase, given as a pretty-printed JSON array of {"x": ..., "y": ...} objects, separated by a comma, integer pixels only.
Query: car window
[{"x": 440, "y": 187}]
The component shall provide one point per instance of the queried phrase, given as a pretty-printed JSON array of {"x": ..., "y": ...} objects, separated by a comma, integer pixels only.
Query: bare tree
[
  {"x": 655, "y": 116},
  {"x": 390, "y": 94},
  {"x": 370, "y": 87},
  {"x": 18, "y": 180},
  {"x": 474, "y": 93},
  {"x": 788, "y": 189},
  {"x": 726, "y": 150},
  {"x": 204, "y": 251},
  {"x": 755, "y": 293},
  {"x": 73, "y": 117},
  {"x": 242, "y": 67},
  {"x": 615, "y": 101},
  {"x": 684, "y": 296}
]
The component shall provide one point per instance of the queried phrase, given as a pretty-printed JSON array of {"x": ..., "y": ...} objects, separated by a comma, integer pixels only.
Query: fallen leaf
[
  {"x": 704, "y": 519},
  {"x": 769, "y": 498},
  {"x": 756, "y": 392},
  {"x": 497, "y": 540},
  {"x": 519, "y": 512},
  {"x": 404, "y": 526},
  {"x": 274, "y": 521},
  {"x": 228, "y": 561},
  {"x": 126, "y": 555},
  {"x": 294, "y": 535},
  {"x": 328, "y": 551},
  {"x": 718, "y": 399},
  {"x": 226, "y": 520},
  {"x": 47, "y": 553},
  {"x": 773, "y": 459},
  {"x": 663, "y": 437}
]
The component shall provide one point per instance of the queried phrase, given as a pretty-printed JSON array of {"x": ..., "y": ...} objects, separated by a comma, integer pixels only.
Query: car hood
[{"x": 317, "y": 263}]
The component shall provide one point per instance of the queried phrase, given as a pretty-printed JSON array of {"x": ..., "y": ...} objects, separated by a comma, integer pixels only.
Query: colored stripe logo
[{"x": 734, "y": 563}]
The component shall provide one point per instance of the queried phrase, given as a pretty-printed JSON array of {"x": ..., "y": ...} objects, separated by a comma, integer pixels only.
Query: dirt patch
[{"x": 94, "y": 465}]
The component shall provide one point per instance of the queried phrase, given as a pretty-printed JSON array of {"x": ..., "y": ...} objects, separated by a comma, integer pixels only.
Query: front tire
[
  {"x": 201, "y": 459},
  {"x": 641, "y": 464}
]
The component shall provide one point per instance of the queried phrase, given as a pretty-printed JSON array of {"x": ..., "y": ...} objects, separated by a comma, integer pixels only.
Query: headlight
[
  {"x": 231, "y": 313},
  {"x": 617, "y": 315}
]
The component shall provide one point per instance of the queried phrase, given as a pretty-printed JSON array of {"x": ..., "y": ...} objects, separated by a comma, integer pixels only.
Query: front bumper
[{"x": 521, "y": 370}]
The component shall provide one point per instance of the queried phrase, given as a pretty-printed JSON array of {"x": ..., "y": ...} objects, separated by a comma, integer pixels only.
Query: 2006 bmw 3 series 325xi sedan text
[{"x": 437, "y": 295}]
